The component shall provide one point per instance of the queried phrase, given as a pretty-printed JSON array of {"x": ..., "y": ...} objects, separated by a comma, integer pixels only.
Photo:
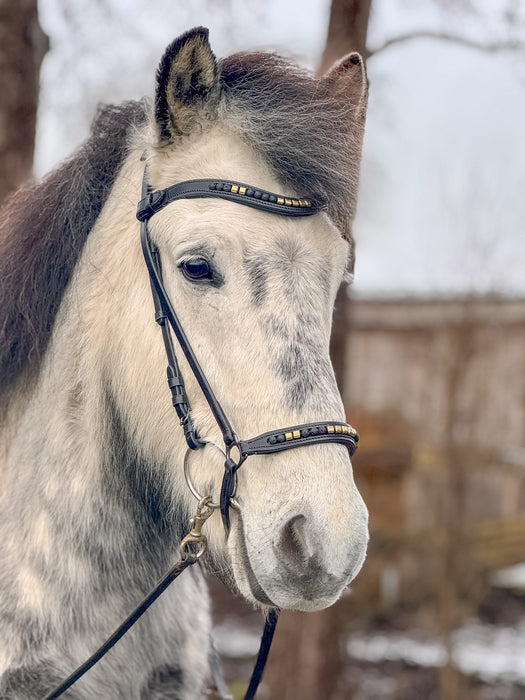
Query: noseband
[{"x": 266, "y": 443}]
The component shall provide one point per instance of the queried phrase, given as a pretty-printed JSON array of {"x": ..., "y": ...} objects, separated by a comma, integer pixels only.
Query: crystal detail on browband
[{"x": 243, "y": 190}]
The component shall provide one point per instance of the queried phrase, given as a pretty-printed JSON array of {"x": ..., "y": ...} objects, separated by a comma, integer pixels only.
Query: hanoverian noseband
[{"x": 236, "y": 451}]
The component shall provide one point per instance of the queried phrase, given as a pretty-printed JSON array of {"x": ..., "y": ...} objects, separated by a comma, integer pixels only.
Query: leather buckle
[{"x": 150, "y": 205}]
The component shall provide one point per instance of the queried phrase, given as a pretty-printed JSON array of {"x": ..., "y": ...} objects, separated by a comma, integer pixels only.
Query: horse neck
[{"x": 81, "y": 483}]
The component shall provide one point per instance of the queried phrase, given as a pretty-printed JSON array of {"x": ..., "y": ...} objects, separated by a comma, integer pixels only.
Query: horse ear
[
  {"x": 347, "y": 79},
  {"x": 188, "y": 86}
]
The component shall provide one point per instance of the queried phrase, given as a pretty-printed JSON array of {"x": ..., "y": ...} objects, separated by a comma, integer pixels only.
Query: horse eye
[{"x": 196, "y": 268}]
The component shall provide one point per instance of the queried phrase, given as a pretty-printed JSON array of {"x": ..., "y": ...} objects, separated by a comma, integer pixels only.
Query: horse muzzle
[{"x": 304, "y": 558}]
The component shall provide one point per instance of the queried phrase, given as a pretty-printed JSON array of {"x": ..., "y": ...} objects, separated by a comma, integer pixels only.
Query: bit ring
[{"x": 189, "y": 480}]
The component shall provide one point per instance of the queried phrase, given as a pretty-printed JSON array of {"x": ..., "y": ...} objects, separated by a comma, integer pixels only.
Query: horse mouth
[
  {"x": 325, "y": 588},
  {"x": 256, "y": 589},
  {"x": 247, "y": 582}
]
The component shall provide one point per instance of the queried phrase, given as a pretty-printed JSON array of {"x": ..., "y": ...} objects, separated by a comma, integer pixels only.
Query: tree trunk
[
  {"x": 347, "y": 30},
  {"x": 307, "y": 660},
  {"x": 23, "y": 45},
  {"x": 304, "y": 663}
]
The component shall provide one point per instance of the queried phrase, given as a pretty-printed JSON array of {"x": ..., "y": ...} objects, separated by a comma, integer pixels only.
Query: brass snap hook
[{"x": 195, "y": 543}]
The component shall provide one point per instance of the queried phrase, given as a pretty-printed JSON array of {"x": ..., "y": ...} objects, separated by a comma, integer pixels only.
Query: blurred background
[{"x": 429, "y": 341}]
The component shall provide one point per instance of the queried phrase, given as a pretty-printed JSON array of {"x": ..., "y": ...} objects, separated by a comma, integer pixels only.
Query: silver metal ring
[{"x": 189, "y": 480}]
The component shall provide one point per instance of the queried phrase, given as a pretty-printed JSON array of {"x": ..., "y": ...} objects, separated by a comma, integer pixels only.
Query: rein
[{"x": 236, "y": 450}]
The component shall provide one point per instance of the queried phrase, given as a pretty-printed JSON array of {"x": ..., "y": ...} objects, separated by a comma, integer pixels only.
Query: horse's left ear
[
  {"x": 188, "y": 86},
  {"x": 347, "y": 79}
]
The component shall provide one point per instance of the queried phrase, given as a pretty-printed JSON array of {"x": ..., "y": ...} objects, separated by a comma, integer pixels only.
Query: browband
[{"x": 225, "y": 189}]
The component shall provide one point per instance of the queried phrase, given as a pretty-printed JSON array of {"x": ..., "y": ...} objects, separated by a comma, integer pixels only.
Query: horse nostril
[{"x": 295, "y": 546}]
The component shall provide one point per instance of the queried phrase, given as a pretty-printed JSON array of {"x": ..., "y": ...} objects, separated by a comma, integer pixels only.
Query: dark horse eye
[{"x": 196, "y": 268}]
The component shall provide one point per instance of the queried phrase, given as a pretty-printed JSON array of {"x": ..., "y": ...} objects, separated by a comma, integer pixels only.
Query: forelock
[{"x": 301, "y": 130}]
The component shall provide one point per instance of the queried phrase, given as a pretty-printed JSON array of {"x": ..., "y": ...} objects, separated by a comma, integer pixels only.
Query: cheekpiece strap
[
  {"x": 225, "y": 189},
  {"x": 299, "y": 435}
]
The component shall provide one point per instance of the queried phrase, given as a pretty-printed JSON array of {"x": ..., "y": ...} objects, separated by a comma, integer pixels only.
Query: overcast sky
[{"x": 442, "y": 208}]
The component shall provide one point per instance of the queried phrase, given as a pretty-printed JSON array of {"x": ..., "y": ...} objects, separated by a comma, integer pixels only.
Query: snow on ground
[
  {"x": 236, "y": 641},
  {"x": 512, "y": 577},
  {"x": 490, "y": 652}
]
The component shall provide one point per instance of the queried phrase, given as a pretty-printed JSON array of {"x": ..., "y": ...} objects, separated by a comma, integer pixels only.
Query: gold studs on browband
[{"x": 246, "y": 191}]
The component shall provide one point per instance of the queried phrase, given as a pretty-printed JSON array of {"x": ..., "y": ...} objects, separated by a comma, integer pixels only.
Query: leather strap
[
  {"x": 262, "y": 656},
  {"x": 158, "y": 285},
  {"x": 278, "y": 441},
  {"x": 300, "y": 435},
  {"x": 161, "y": 586},
  {"x": 225, "y": 189}
]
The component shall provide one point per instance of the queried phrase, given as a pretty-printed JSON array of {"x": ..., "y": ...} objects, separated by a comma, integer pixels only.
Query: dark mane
[
  {"x": 43, "y": 228},
  {"x": 301, "y": 128}
]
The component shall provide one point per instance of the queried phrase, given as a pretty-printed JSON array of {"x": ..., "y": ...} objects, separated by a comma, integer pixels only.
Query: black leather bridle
[{"x": 267, "y": 443}]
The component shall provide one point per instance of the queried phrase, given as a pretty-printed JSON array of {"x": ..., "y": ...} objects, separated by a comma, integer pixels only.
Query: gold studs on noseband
[{"x": 311, "y": 431}]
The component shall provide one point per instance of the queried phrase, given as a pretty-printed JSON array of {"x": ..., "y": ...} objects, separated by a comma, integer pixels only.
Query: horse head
[{"x": 254, "y": 293}]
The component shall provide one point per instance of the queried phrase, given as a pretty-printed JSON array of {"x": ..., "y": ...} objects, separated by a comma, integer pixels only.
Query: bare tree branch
[{"x": 503, "y": 45}]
